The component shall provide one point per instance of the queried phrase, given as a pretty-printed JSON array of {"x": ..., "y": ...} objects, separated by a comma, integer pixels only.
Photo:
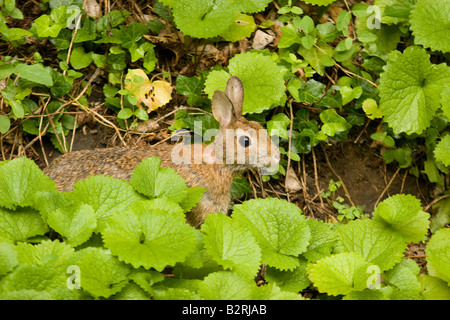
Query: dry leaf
[
  {"x": 261, "y": 40},
  {"x": 292, "y": 182},
  {"x": 93, "y": 9},
  {"x": 159, "y": 94}
]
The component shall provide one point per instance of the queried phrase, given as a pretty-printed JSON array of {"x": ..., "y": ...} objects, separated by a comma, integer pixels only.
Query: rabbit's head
[{"x": 240, "y": 144}]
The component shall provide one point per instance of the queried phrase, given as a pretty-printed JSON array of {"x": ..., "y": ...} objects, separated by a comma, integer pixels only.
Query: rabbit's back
[{"x": 115, "y": 162}]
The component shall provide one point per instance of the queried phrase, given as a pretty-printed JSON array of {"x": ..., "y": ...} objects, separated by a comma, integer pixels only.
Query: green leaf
[
  {"x": 277, "y": 126},
  {"x": 340, "y": 273},
  {"x": 46, "y": 27},
  {"x": 35, "y": 282},
  {"x": 226, "y": 285},
  {"x": 8, "y": 258},
  {"x": 20, "y": 225},
  {"x": 132, "y": 34},
  {"x": 154, "y": 181},
  {"x": 403, "y": 279},
  {"x": 249, "y": 6},
  {"x": 378, "y": 245},
  {"x": 148, "y": 236},
  {"x": 278, "y": 226},
  {"x": 320, "y": 2},
  {"x": 194, "y": 195},
  {"x": 429, "y": 22},
  {"x": 231, "y": 246},
  {"x": 19, "y": 180},
  {"x": 434, "y": 288},
  {"x": 295, "y": 280},
  {"x": 322, "y": 240},
  {"x": 442, "y": 150},
  {"x": 34, "y": 73},
  {"x": 318, "y": 56},
  {"x": 37, "y": 254},
  {"x": 74, "y": 224},
  {"x": 5, "y": 124},
  {"x": 125, "y": 113},
  {"x": 101, "y": 274},
  {"x": 333, "y": 123},
  {"x": 79, "y": 59},
  {"x": 404, "y": 214},
  {"x": 410, "y": 90},
  {"x": 262, "y": 79},
  {"x": 371, "y": 109},
  {"x": 203, "y": 18},
  {"x": 242, "y": 26},
  {"x": 190, "y": 87},
  {"x": 438, "y": 255},
  {"x": 289, "y": 36}
]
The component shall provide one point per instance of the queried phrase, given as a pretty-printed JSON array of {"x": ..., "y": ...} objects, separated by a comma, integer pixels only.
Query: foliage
[{"x": 64, "y": 256}]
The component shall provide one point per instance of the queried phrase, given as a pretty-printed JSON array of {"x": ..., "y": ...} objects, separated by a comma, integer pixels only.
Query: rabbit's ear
[
  {"x": 235, "y": 92},
  {"x": 222, "y": 109}
]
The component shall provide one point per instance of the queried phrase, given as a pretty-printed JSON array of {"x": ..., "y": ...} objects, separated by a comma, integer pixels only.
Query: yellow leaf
[{"x": 152, "y": 94}]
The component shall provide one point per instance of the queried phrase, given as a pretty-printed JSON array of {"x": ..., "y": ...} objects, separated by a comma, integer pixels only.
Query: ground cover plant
[{"x": 353, "y": 90}]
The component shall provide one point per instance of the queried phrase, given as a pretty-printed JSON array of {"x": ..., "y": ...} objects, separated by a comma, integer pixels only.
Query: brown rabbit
[{"x": 238, "y": 146}]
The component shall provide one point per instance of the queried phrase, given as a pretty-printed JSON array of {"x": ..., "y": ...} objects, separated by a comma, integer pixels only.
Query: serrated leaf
[
  {"x": 410, "y": 90},
  {"x": 200, "y": 18},
  {"x": 36, "y": 254},
  {"x": 403, "y": 277},
  {"x": 105, "y": 195},
  {"x": 438, "y": 255},
  {"x": 149, "y": 237},
  {"x": 442, "y": 150},
  {"x": 74, "y": 224},
  {"x": 8, "y": 258},
  {"x": 154, "y": 181},
  {"x": 340, "y": 273},
  {"x": 322, "y": 240},
  {"x": 226, "y": 285},
  {"x": 429, "y": 22},
  {"x": 20, "y": 225},
  {"x": 434, "y": 288},
  {"x": 278, "y": 226},
  {"x": 261, "y": 76},
  {"x": 242, "y": 26},
  {"x": 35, "y": 282},
  {"x": 101, "y": 274},
  {"x": 404, "y": 214},
  {"x": 231, "y": 246},
  {"x": 194, "y": 195},
  {"x": 294, "y": 281},
  {"x": 378, "y": 245}
]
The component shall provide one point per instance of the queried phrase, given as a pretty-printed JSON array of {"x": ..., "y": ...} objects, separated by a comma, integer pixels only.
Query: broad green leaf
[
  {"x": 8, "y": 258},
  {"x": 194, "y": 195},
  {"x": 149, "y": 237},
  {"x": 404, "y": 214},
  {"x": 242, "y": 26},
  {"x": 46, "y": 27},
  {"x": 132, "y": 34},
  {"x": 429, "y": 22},
  {"x": 75, "y": 224},
  {"x": 371, "y": 109},
  {"x": 230, "y": 245},
  {"x": 289, "y": 36},
  {"x": 320, "y": 2},
  {"x": 203, "y": 18},
  {"x": 226, "y": 285},
  {"x": 318, "y": 56},
  {"x": 249, "y": 6},
  {"x": 403, "y": 278},
  {"x": 333, "y": 123},
  {"x": 5, "y": 124},
  {"x": 434, "y": 288},
  {"x": 291, "y": 280},
  {"x": 154, "y": 181},
  {"x": 35, "y": 73},
  {"x": 37, "y": 254},
  {"x": 442, "y": 150},
  {"x": 262, "y": 79},
  {"x": 105, "y": 195},
  {"x": 378, "y": 245},
  {"x": 278, "y": 226},
  {"x": 101, "y": 274},
  {"x": 20, "y": 225},
  {"x": 36, "y": 282},
  {"x": 340, "y": 273},
  {"x": 410, "y": 90},
  {"x": 277, "y": 126},
  {"x": 19, "y": 180},
  {"x": 438, "y": 255},
  {"x": 322, "y": 240}
]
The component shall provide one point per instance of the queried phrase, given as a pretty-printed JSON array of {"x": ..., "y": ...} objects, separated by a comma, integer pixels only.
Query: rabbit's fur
[{"x": 213, "y": 170}]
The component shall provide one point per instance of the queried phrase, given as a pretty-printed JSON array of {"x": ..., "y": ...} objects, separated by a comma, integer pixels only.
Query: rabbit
[{"x": 239, "y": 145}]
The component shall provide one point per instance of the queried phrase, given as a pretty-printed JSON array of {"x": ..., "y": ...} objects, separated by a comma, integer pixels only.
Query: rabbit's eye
[{"x": 244, "y": 141}]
